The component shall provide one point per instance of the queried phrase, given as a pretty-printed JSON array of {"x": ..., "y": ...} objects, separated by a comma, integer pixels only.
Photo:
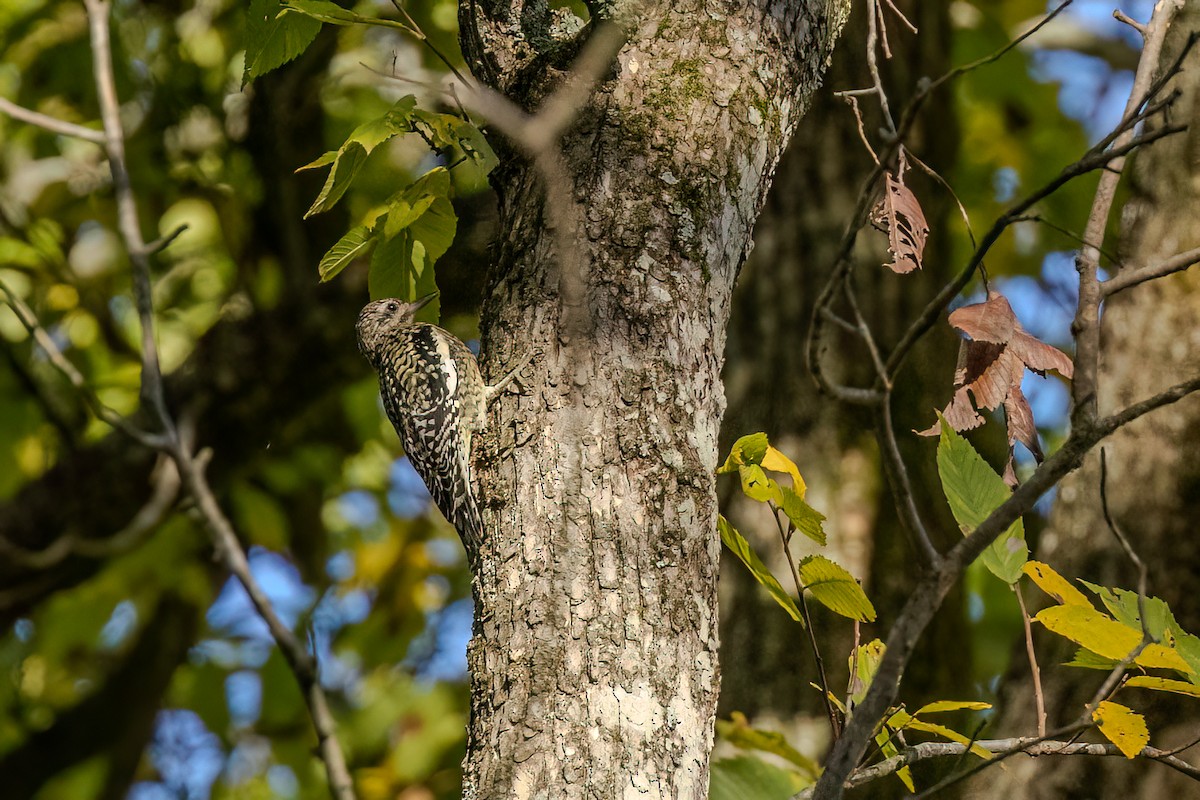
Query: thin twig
[
  {"x": 50, "y": 123},
  {"x": 415, "y": 30},
  {"x": 902, "y": 490},
  {"x": 835, "y": 726},
  {"x": 1143, "y": 573},
  {"x": 1128, "y": 278},
  {"x": 1039, "y": 700},
  {"x": 874, "y": 15}
]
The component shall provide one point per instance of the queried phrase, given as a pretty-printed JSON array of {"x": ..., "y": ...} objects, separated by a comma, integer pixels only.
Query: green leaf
[
  {"x": 1086, "y": 659},
  {"x": 272, "y": 42},
  {"x": 756, "y": 485},
  {"x": 864, "y": 663},
  {"x": 738, "y": 545},
  {"x": 418, "y": 230},
  {"x": 1054, "y": 584},
  {"x": 1123, "y": 605},
  {"x": 1164, "y": 685},
  {"x": 1106, "y": 637},
  {"x": 974, "y": 491},
  {"x": 358, "y": 242},
  {"x": 835, "y": 588},
  {"x": 321, "y": 10},
  {"x": 747, "y": 450},
  {"x": 1122, "y": 726},
  {"x": 353, "y": 153},
  {"x": 737, "y": 731},
  {"x": 806, "y": 518},
  {"x": 748, "y": 778}
]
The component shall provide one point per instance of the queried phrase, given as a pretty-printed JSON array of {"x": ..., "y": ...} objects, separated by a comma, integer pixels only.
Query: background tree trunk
[
  {"x": 594, "y": 660},
  {"x": 767, "y": 666},
  {"x": 1150, "y": 340}
]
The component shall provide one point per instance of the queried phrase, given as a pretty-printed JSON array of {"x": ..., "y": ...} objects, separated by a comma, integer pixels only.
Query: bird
[{"x": 436, "y": 399}]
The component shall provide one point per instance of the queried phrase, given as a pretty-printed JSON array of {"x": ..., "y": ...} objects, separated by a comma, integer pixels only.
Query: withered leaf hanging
[
  {"x": 900, "y": 216},
  {"x": 990, "y": 366}
]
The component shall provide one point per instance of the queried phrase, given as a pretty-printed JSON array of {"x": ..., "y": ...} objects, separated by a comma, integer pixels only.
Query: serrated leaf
[
  {"x": 748, "y": 778},
  {"x": 356, "y": 243},
  {"x": 272, "y": 42},
  {"x": 1164, "y": 685},
  {"x": 835, "y": 588},
  {"x": 738, "y": 732},
  {"x": 756, "y": 485},
  {"x": 750, "y": 449},
  {"x": 351, "y": 156},
  {"x": 1122, "y": 726},
  {"x": 804, "y": 517},
  {"x": 417, "y": 231},
  {"x": 1123, "y": 605},
  {"x": 778, "y": 462},
  {"x": 974, "y": 491},
  {"x": 1106, "y": 637},
  {"x": 864, "y": 663},
  {"x": 737, "y": 544},
  {"x": 1054, "y": 584}
]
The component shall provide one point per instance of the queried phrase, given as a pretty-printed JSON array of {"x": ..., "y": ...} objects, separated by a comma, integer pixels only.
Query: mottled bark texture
[
  {"x": 766, "y": 666},
  {"x": 1150, "y": 340},
  {"x": 594, "y": 661}
]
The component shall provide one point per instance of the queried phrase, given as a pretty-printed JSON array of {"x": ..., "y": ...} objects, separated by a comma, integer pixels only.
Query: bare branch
[
  {"x": 1129, "y": 278},
  {"x": 49, "y": 123},
  {"x": 902, "y": 491},
  {"x": 1086, "y": 325},
  {"x": 1003, "y": 748}
]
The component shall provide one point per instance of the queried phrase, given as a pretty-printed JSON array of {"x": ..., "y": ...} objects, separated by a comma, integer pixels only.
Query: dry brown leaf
[
  {"x": 991, "y": 364},
  {"x": 900, "y": 216}
]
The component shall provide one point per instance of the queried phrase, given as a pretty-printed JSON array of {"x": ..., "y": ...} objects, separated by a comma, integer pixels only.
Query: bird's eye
[{"x": 393, "y": 307}]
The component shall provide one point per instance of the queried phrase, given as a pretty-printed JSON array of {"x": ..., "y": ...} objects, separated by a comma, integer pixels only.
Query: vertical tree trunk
[
  {"x": 594, "y": 661},
  {"x": 769, "y": 387},
  {"x": 1150, "y": 341}
]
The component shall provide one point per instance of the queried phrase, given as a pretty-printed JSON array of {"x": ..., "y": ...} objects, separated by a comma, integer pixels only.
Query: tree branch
[{"x": 49, "y": 123}]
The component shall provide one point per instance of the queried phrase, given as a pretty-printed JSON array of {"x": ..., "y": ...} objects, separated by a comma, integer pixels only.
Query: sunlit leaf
[
  {"x": 272, "y": 41},
  {"x": 942, "y": 706},
  {"x": 321, "y": 10},
  {"x": 1164, "y": 685},
  {"x": 750, "y": 449},
  {"x": 1106, "y": 637},
  {"x": 804, "y": 517},
  {"x": 902, "y": 720},
  {"x": 1122, "y": 726},
  {"x": 738, "y": 545},
  {"x": 835, "y": 588},
  {"x": 1054, "y": 584}
]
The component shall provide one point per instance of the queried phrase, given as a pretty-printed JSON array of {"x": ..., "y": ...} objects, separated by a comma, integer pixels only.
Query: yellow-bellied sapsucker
[{"x": 437, "y": 400}]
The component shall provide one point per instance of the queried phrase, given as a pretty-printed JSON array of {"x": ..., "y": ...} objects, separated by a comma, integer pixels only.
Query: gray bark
[
  {"x": 594, "y": 660},
  {"x": 1150, "y": 341}
]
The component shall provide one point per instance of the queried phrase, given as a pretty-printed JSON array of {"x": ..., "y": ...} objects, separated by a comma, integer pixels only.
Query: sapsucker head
[{"x": 379, "y": 321}]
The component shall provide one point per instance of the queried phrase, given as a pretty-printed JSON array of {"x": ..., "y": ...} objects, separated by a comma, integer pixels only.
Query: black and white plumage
[{"x": 436, "y": 399}]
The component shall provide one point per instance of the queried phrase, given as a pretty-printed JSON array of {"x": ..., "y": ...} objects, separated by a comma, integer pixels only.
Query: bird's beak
[{"x": 421, "y": 302}]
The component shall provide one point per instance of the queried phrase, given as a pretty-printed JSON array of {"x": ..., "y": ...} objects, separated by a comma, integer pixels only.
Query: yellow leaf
[
  {"x": 1054, "y": 584},
  {"x": 1106, "y": 637},
  {"x": 1122, "y": 726},
  {"x": 778, "y": 462},
  {"x": 1164, "y": 685},
  {"x": 941, "y": 706}
]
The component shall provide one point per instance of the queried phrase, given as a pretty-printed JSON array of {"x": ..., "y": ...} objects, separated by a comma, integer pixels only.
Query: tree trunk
[
  {"x": 594, "y": 660},
  {"x": 1150, "y": 341},
  {"x": 766, "y": 668}
]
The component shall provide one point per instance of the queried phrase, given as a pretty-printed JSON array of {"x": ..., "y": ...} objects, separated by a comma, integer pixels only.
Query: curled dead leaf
[
  {"x": 991, "y": 364},
  {"x": 899, "y": 214}
]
